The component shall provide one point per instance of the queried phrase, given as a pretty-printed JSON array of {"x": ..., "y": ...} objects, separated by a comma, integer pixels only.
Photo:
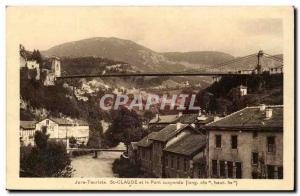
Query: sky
[{"x": 237, "y": 31}]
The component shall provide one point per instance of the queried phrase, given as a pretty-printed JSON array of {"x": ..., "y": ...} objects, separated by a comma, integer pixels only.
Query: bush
[
  {"x": 125, "y": 169},
  {"x": 46, "y": 159}
]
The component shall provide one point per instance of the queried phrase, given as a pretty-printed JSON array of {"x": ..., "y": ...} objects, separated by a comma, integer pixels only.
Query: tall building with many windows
[{"x": 247, "y": 144}]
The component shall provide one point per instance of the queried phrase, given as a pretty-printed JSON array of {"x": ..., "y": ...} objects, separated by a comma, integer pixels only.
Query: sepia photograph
[{"x": 150, "y": 98}]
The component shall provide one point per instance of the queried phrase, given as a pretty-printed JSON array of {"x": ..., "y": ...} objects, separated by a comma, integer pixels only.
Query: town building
[
  {"x": 186, "y": 158},
  {"x": 246, "y": 71},
  {"x": 161, "y": 121},
  {"x": 165, "y": 137},
  {"x": 47, "y": 72},
  {"x": 51, "y": 70},
  {"x": 247, "y": 144},
  {"x": 144, "y": 152},
  {"x": 194, "y": 119},
  {"x": 33, "y": 70},
  {"x": 62, "y": 129},
  {"x": 242, "y": 90},
  {"x": 238, "y": 92},
  {"x": 27, "y": 131},
  {"x": 276, "y": 70}
]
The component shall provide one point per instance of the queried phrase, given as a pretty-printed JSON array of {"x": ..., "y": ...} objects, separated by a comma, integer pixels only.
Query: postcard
[{"x": 150, "y": 98}]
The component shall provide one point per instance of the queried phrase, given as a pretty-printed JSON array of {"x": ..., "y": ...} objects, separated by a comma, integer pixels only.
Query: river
[{"x": 87, "y": 166}]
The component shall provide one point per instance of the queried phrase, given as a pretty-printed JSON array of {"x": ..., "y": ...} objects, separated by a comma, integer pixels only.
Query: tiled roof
[
  {"x": 188, "y": 118},
  {"x": 81, "y": 122},
  {"x": 146, "y": 142},
  {"x": 184, "y": 119},
  {"x": 168, "y": 132},
  {"x": 27, "y": 124},
  {"x": 61, "y": 121},
  {"x": 165, "y": 119},
  {"x": 251, "y": 118},
  {"x": 64, "y": 121},
  {"x": 188, "y": 145}
]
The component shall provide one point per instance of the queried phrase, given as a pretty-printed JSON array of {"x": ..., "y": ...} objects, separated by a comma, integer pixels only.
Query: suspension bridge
[{"x": 257, "y": 63}]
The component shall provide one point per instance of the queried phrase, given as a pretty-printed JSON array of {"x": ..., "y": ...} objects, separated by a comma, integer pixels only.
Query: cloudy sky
[{"x": 238, "y": 31}]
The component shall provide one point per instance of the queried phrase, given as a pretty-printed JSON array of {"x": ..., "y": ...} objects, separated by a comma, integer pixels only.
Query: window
[
  {"x": 214, "y": 168},
  {"x": 270, "y": 171},
  {"x": 166, "y": 161},
  {"x": 238, "y": 167},
  {"x": 254, "y": 175},
  {"x": 222, "y": 168},
  {"x": 185, "y": 164},
  {"x": 254, "y": 158},
  {"x": 271, "y": 143},
  {"x": 172, "y": 162},
  {"x": 255, "y": 134},
  {"x": 178, "y": 162},
  {"x": 218, "y": 141},
  {"x": 201, "y": 170},
  {"x": 230, "y": 169},
  {"x": 44, "y": 129},
  {"x": 280, "y": 173},
  {"x": 234, "y": 141}
]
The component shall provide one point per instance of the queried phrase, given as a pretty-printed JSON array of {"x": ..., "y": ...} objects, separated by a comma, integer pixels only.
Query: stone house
[
  {"x": 62, "y": 129},
  {"x": 161, "y": 121},
  {"x": 186, "y": 158},
  {"x": 144, "y": 152},
  {"x": 27, "y": 131},
  {"x": 247, "y": 144},
  {"x": 276, "y": 70},
  {"x": 162, "y": 139},
  {"x": 195, "y": 119},
  {"x": 238, "y": 92},
  {"x": 29, "y": 69},
  {"x": 51, "y": 69}
]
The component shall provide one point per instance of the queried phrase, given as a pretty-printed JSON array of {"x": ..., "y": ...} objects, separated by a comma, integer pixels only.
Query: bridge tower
[{"x": 259, "y": 67}]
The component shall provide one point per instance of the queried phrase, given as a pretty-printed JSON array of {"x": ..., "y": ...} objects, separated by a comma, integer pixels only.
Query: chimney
[
  {"x": 262, "y": 107},
  {"x": 178, "y": 125},
  {"x": 157, "y": 117},
  {"x": 179, "y": 114},
  {"x": 216, "y": 118},
  {"x": 269, "y": 113},
  {"x": 199, "y": 114}
]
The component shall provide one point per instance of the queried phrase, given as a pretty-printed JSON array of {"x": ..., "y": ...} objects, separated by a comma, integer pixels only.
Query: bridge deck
[
  {"x": 96, "y": 149},
  {"x": 153, "y": 74}
]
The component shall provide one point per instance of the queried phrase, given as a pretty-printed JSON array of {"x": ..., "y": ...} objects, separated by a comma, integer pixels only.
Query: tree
[
  {"x": 148, "y": 115},
  {"x": 127, "y": 127},
  {"x": 46, "y": 159},
  {"x": 41, "y": 138},
  {"x": 72, "y": 141},
  {"x": 36, "y": 55}
]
